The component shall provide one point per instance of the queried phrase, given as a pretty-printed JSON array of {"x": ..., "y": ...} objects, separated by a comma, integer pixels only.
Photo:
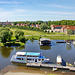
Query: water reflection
[
  {"x": 5, "y": 51},
  {"x": 74, "y": 45},
  {"x": 32, "y": 40},
  {"x": 19, "y": 64},
  {"x": 45, "y": 47},
  {"x": 68, "y": 46},
  {"x": 20, "y": 48}
]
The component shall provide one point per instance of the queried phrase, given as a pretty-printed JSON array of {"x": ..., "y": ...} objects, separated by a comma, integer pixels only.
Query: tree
[
  {"x": 18, "y": 33},
  {"x": 39, "y": 22},
  {"x": 69, "y": 32},
  {"x": 43, "y": 26},
  {"x": 49, "y": 23},
  {"x": 6, "y": 35},
  {"x": 0, "y": 25},
  {"x": 10, "y": 35},
  {"x": 22, "y": 39}
]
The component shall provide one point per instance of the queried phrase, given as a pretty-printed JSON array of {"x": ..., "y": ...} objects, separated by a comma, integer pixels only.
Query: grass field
[
  {"x": 37, "y": 34},
  {"x": 31, "y": 35}
]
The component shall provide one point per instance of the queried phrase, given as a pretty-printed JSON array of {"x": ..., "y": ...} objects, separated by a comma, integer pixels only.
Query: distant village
[
  {"x": 53, "y": 28},
  {"x": 19, "y": 24}
]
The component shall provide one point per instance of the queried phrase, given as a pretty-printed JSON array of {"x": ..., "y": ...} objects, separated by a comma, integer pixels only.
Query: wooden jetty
[{"x": 50, "y": 66}]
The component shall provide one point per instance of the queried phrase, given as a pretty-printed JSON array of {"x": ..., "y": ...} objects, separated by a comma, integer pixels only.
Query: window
[
  {"x": 22, "y": 58},
  {"x": 19, "y": 58},
  {"x": 39, "y": 59},
  {"x": 29, "y": 59},
  {"x": 42, "y": 59}
]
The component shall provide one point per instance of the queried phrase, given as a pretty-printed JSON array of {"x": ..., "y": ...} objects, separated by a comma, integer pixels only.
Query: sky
[{"x": 33, "y": 10}]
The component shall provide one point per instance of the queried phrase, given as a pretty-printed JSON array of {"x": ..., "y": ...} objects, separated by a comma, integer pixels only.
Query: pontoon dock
[{"x": 50, "y": 66}]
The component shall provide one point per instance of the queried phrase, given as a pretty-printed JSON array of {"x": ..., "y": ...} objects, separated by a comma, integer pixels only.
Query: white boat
[
  {"x": 68, "y": 43},
  {"x": 59, "y": 59},
  {"x": 27, "y": 57},
  {"x": 54, "y": 69},
  {"x": 73, "y": 42}
]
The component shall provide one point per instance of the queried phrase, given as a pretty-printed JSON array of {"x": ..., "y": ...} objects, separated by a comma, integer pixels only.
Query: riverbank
[
  {"x": 19, "y": 70},
  {"x": 36, "y": 35},
  {"x": 12, "y": 44}
]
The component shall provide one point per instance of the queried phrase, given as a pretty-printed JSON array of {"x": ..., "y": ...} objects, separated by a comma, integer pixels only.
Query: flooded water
[{"x": 67, "y": 52}]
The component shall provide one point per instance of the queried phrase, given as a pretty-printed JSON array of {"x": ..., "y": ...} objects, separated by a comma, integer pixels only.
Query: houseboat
[
  {"x": 45, "y": 41},
  {"x": 28, "y": 57}
]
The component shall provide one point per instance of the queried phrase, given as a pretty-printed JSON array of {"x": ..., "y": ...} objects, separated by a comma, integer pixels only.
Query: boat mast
[{"x": 41, "y": 56}]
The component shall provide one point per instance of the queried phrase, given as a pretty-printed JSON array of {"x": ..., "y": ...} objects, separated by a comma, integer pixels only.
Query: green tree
[
  {"x": 18, "y": 33},
  {"x": 0, "y": 25},
  {"x": 22, "y": 39},
  {"x": 6, "y": 35},
  {"x": 10, "y": 35},
  {"x": 49, "y": 23},
  {"x": 43, "y": 26},
  {"x": 69, "y": 32}
]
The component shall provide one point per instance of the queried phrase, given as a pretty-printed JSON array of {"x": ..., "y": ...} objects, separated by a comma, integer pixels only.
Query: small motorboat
[
  {"x": 73, "y": 42},
  {"x": 59, "y": 59}
]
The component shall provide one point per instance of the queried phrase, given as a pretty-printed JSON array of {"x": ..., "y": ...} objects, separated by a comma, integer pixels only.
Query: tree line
[
  {"x": 43, "y": 24},
  {"x": 61, "y": 22}
]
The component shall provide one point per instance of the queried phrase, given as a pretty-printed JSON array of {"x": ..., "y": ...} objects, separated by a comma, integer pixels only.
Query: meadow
[{"x": 36, "y": 35}]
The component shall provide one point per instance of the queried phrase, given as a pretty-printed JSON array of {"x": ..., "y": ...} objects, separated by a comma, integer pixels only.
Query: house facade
[
  {"x": 62, "y": 28},
  {"x": 31, "y": 25}
]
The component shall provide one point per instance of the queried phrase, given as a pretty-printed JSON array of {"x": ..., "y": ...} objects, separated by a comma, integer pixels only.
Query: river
[{"x": 67, "y": 52}]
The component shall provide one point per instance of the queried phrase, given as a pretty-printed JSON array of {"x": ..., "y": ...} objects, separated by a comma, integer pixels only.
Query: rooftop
[
  {"x": 28, "y": 53},
  {"x": 42, "y": 39}
]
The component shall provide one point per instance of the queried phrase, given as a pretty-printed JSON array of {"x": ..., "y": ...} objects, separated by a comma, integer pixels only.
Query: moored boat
[
  {"x": 73, "y": 42},
  {"x": 68, "y": 43},
  {"x": 59, "y": 59},
  {"x": 27, "y": 57},
  {"x": 45, "y": 41}
]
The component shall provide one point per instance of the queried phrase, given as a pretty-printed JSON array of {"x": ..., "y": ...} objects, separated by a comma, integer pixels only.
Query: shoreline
[{"x": 17, "y": 70}]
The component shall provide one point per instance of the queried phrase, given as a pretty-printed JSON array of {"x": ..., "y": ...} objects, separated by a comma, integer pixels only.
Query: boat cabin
[
  {"x": 45, "y": 41},
  {"x": 29, "y": 57}
]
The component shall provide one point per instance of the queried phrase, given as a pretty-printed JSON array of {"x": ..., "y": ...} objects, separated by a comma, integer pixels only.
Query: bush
[
  {"x": 52, "y": 31},
  {"x": 18, "y": 33},
  {"x": 22, "y": 39},
  {"x": 48, "y": 31},
  {"x": 45, "y": 30}
]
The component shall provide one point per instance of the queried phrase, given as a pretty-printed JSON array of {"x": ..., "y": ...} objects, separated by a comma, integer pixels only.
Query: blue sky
[{"x": 33, "y": 10}]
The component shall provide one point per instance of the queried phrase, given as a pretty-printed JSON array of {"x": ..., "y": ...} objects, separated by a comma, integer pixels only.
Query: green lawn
[{"x": 37, "y": 34}]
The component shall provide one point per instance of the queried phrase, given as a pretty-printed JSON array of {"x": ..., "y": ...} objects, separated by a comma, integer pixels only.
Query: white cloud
[
  {"x": 9, "y": 2},
  {"x": 20, "y": 14},
  {"x": 55, "y": 12},
  {"x": 15, "y": 12},
  {"x": 58, "y": 6},
  {"x": 20, "y": 10}
]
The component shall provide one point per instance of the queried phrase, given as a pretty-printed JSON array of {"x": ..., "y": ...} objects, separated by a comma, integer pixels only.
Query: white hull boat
[{"x": 27, "y": 57}]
